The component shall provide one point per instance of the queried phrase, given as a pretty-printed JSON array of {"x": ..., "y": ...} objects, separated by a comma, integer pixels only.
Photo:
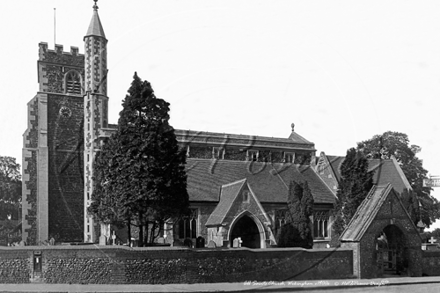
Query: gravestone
[
  {"x": 102, "y": 240},
  {"x": 113, "y": 238},
  {"x": 200, "y": 242},
  {"x": 211, "y": 244},
  {"x": 188, "y": 242},
  {"x": 235, "y": 242}
]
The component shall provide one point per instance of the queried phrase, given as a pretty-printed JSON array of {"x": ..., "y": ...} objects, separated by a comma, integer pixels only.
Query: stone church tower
[{"x": 65, "y": 119}]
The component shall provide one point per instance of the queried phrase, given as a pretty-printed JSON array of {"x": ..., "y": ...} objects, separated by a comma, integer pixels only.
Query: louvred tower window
[{"x": 73, "y": 83}]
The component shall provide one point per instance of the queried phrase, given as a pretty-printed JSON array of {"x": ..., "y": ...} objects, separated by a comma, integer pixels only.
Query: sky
[{"x": 341, "y": 71}]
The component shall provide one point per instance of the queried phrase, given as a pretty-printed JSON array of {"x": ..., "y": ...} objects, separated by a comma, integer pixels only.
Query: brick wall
[
  {"x": 16, "y": 265},
  {"x": 431, "y": 263},
  {"x": 411, "y": 243},
  {"x": 122, "y": 265}
]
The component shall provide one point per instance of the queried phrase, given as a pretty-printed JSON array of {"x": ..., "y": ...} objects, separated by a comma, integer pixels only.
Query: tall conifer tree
[
  {"x": 146, "y": 168},
  {"x": 354, "y": 186},
  {"x": 297, "y": 231}
]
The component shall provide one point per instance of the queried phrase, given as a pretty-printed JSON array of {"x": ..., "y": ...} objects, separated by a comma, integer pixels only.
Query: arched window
[
  {"x": 188, "y": 226},
  {"x": 73, "y": 83},
  {"x": 279, "y": 219},
  {"x": 320, "y": 224}
]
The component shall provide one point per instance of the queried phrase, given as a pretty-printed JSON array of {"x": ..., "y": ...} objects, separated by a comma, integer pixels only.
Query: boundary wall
[
  {"x": 124, "y": 265},
  {"x": 431, "y": 262}
]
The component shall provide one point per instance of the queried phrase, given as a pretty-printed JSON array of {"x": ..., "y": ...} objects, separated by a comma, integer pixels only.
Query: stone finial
[
  {"x": 95, "y": 7},
  {"x": 293, "y": 126}
]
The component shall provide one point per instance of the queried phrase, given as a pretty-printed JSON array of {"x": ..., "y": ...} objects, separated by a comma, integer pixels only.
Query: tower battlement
[{"x": 58, "y": 56}]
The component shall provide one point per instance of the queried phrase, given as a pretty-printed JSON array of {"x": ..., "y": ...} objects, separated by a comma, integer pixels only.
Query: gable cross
[{"x": 432, "y": 240}]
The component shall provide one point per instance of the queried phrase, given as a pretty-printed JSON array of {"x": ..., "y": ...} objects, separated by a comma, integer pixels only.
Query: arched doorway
[
  {"x": 247, "y": 230},
  {"x": 392, "y": 258}
]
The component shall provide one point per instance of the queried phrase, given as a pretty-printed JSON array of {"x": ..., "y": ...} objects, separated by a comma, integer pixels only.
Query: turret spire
[{"x": 95, "y": 27}]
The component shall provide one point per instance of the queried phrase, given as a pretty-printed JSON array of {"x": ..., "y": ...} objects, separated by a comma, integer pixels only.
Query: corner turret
[{"x": 95, "y": 108}]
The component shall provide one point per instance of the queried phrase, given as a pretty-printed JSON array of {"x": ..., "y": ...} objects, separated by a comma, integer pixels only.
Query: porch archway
[{"x": 246, "y": 228}]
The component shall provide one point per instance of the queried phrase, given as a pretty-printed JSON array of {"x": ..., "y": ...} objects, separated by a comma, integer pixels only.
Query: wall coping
[{"x": 196, "y": 250}]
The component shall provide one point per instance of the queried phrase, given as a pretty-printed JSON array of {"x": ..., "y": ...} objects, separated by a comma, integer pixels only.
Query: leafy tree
[
  {"x": 397, "y": 144},
  {"x": 147, "y": 169},
  {"x": 354, "y": 186},
  {"x": 10, "y": 197},
  {"x": 10, "y": 188},
  {"x": 297, "y": 232}
]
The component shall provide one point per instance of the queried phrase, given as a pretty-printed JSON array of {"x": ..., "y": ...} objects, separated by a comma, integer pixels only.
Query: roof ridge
[{"x": 234, "y": 183}]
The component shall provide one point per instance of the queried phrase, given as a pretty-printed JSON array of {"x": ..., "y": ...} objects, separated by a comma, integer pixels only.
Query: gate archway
[{"x": 392, "y": 252}]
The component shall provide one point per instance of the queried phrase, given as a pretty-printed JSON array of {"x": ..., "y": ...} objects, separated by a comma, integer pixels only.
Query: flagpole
[{"x": 55, "y": 26}]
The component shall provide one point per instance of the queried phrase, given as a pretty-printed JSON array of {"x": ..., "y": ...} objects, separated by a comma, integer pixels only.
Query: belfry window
[
  {"x": 73, "y": 83},
  {"x": 188, "y": 225}
]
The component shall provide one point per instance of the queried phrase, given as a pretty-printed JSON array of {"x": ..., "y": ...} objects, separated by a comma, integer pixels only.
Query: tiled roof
[
  {"x": 385, "y": 171},
  {"x": 298, "y": 138},
  {"x": 228, "y": 194},
  {"x": 295, "y": 141},
  {"x": 388, "y": 171},
  {"x": 366, "y": 213},
  {"x": 206, "y": 177}
]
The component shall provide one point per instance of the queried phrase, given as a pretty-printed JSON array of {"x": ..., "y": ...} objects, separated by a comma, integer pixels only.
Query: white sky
[{"x": 342, "y": 71}]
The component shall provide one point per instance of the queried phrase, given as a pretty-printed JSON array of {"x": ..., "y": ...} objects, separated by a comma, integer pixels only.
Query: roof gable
[
  {"x": 388, "y": 171},
  {"x": 370, "y": 208},
  {"x": 232, "y": 202},
  {"x": 326, "y": 173}
]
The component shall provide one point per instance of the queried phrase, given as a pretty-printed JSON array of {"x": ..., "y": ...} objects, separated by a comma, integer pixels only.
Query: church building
[{"x": 237, "y": 184}]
